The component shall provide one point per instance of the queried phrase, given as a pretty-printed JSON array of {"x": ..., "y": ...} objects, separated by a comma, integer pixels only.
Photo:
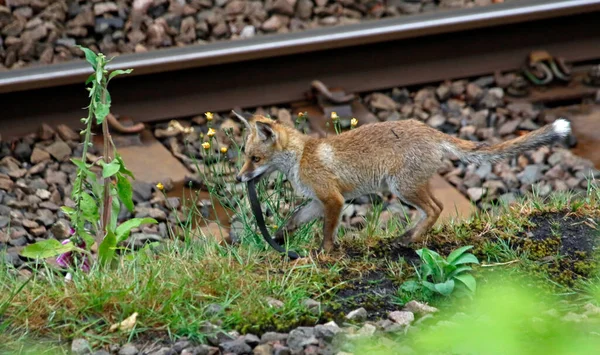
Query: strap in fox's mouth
[{"x": 257, "y": 211}]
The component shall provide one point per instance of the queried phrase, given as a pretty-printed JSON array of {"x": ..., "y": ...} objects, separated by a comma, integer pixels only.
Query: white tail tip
[{"x": 562, "y": 127}]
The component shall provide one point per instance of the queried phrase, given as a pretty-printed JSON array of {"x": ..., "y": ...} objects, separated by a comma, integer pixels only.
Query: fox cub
[{"x": 401, "y": 156}]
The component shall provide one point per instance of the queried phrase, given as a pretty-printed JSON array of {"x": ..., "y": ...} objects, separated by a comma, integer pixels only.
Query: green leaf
[
  {"x": 102, "y": 110},
  {"x": 46, "y": 249},
  {"x": 80, "y": 164},
  {"x": 67, "y": 210},
  {"x": 410, "y": 286},
  {"x": 466, "y": 259},
  {"x": 99, "y": 75},
  {"x": 110, "y": 169},
  {"x": 89, "y": 209},
  {"x": 90, "y": 79},
  {"x": 445, "y": 288},
  {"x": 119, "y": 72},
  {"x": 458, "y": 252},
  {"x": 125, "y": 191},
  {"x": 468, "y": 280},
  {"x": 106, "y": 250},
  {"x": 124, "y": 228},
  {"x": 90, "y": 56},
  {"x": 459, "y": 270},
  {"x": 429, "y": 286},
  {"x": 123, "y": 168}
]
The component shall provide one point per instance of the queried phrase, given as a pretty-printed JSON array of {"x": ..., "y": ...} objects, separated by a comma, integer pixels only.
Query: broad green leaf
[
  {"x": 458, "y": 252},
  {"x": 459, "y": 270},
  {"x": 429, "y": 286},
  {"x": 67, "y": 210},
  {"x": 106, "y": 250},
  {"x": 89, "y": 208},
  {"x": 110, "y": 169},
  {"x": 90, "y": 56},
  {"x": 410, "y": 286},
  {"x": 119, "y": 72},
  {"x": 107, "y": 97},
  {"x": 123, "y": 168},
  {"x": 466, "y": 259},
  {"x": 80, "y": 164},
  {"x": 124, "y": 228},
  {"x": 102, "y": 110},
  {"x": 468, "y": 280},
  {"x": 125, "y": 191},
  {"x": 90, "y": 79},
  {"x": 445, "y": 288},
  {"x": 46, "y": 249}
]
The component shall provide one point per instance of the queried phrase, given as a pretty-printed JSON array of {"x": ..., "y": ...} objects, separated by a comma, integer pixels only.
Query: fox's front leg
[
  {"x": 303, "y": 215},
  {"x": 332, "y": 204}
]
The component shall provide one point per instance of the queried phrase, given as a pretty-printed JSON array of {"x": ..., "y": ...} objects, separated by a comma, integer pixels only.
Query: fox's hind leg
[
  {"x": 304, "y": 215},
  {"x": 428, "y": 205}
]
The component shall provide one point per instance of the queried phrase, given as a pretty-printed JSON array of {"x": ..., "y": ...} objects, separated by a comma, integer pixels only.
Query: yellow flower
[
  {"x": 206, "y": 145},
  {"x": 209, "y": 116},
  {"x": 301, "y": 114},
  {"x": 160, "y": 186},
  {"x": 211, "y": 132},
  {"x": 274, "y": 226},
  {"x": 334, "y": 116},
  {"x": 223, "y": 150},
  {"x": 353, "y": 122}
]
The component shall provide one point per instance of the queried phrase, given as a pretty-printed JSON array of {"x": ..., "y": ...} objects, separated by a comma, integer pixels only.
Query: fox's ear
[
  {"x": 265, "y": 131},
  {"x": 241, "y": 118}
]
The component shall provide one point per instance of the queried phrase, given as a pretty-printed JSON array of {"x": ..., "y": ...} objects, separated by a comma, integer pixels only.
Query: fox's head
[{"x": 262, "y": 143}]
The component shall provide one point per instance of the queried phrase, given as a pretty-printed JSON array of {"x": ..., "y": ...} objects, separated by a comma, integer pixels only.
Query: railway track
[{"x": 277, "y": 69}]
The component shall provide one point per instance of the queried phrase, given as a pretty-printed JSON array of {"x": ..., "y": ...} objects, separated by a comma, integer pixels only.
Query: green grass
[{"x": 172, "y": 286}]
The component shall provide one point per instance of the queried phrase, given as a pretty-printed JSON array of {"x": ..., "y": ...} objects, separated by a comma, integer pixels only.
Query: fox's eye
[{"x": 255, "y": 159}]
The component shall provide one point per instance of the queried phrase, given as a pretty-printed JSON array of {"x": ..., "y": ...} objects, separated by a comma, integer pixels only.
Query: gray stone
[
  {"x": 507, "y": 198},
  {"x": 358, "y": 315},
  {"x": 530, "y": 174},
  {"x": 312, "y": 305},
  {"x": 403, "y": 318},
  {"x": 164, "y": 351},
  {"x": 301, "y": 337},
  {"x": 475, "y": 193},
  {"x": 251, "y": 340},
  {"x": 142, "y": 191},
  {"x": 509, "y": 127},
  {"x": 56, "y": 177},
  {"x": 367, "y": 329},
  {"x": 419, "y": 308},
  {"x": 80, "y": 346},
  {"x": 327, "y": 331},
  {"x": 128, "y": 349},
  {"x": 59, "y": 150},
  {"x": 181, "y": 344},
  {"x": 237, "y": 346},
  {"x": 273, "y": 337}
]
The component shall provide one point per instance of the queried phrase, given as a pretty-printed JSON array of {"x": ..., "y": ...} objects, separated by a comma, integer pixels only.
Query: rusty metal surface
[{"x": 277, "y": 69}]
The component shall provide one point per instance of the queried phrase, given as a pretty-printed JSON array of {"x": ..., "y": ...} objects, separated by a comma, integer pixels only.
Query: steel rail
[{"x": 275, "y": 69}]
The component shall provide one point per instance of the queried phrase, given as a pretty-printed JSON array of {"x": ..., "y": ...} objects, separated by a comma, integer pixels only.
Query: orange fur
[{"x": 399, "y": 155}]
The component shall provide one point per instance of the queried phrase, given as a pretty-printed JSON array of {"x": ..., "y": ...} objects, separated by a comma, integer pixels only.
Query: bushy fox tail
[{"x": 475, "y": 152}]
